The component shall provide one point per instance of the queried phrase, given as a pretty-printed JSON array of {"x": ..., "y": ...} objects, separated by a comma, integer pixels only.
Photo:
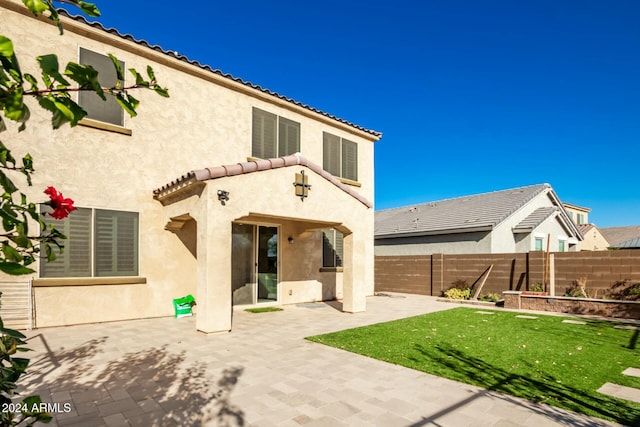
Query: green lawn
[{"x": 542, "y": 359}]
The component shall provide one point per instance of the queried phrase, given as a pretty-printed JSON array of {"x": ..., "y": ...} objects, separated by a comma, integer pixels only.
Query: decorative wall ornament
[{"x": 302, "y": 185}]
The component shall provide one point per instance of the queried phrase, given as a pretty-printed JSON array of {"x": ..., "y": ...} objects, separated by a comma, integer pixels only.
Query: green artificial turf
[
  {"x": 262, "y": 309},
  {"x": 542, "y": 359}
]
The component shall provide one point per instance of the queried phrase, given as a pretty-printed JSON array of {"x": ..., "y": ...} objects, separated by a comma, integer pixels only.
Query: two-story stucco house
[
  {"x": 521, "y": 219},
  {"x": 226, "y": 191}
]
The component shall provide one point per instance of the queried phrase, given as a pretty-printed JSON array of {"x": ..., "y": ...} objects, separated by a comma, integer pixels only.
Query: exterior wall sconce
[
  {"x": 290, "y": 240},
  {"x": 223, "y": 196}
]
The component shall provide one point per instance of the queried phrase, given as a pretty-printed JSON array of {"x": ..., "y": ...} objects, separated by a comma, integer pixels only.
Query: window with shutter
[
  {"x": 75, "y": 258},
  {"x": 273, "y": 136},
  {"x": 340, "y": 156},
  {"x": 332, "y": 248},
  {"x": 108, "y": 111},
  {"x": 116, "y": 243},
  {"x": 99, "y": 243},
  {"x": 289, "y": 137},
  {"x": 264, "y": 134},
  {"x": 349, "y": 160},
  {"x": 331, "y": 153}
]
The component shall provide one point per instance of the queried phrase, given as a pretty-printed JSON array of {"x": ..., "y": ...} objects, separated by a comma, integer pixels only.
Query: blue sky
[{"x": 471, "y": 96}]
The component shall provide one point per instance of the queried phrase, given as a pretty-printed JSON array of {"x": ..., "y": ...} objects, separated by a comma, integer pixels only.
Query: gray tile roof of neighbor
[
  {"x": 618, "y": 235},
  {"x": 477, "y": 212},
  {"x": 629, "y": 244},
  {"x": 183, "y": 58},
  {"x": 536, "y": 218}
]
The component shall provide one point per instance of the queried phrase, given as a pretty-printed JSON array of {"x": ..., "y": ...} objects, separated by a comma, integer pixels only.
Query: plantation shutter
[
  {"x": 75, "y": 259},
  {"x": 349, "y": 160},
  {"x": 264, "y": 143},
  {"x": 331, "y": 153},
  {"x": 338, "y": 247},
  {"x": 289, "y": 137},
  {"x": 108, "y": 111},
  {"x": 332, "y": 248},
  {"x": 116, "y": 243}
]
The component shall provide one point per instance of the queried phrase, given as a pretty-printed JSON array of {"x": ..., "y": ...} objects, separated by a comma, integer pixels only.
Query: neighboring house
[
  {"x": 578, "y": 214},
  {"x": 203, "y": 193},
  {"x": 594, "y": 240},
  {"x": 623, "y": 237},
  {"x": 516, "y": 220}
]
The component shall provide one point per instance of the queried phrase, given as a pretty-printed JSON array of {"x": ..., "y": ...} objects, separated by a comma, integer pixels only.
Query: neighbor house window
[
  {"x": 273, "y": 136},
  {"x": 561, "y": 245},
  {"x": 580, "y": 219},
  {"x": 108, "y": 111},
  {"x": 332, "y": 248},
  {"x": 340, "y": 156},
  {"x": 538, "y": 243},
  {"x": 99, "y": 243}
]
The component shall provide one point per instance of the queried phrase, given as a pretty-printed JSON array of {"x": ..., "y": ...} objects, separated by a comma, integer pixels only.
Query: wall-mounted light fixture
[
  {"x": 223, "y": 196},
  {"x": 290, "y": 240}
]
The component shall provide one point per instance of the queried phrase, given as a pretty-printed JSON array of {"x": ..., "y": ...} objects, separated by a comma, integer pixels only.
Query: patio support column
[
  {"x": 214, "y": 270},
  {"x": 354, "y": 296}
]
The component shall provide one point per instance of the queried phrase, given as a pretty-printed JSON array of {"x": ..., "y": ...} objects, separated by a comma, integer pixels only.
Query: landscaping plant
[{"x": 20, "y": 245}]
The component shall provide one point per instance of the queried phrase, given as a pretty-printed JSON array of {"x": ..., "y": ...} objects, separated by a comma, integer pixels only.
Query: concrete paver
[{"x": 162, "y": 372}]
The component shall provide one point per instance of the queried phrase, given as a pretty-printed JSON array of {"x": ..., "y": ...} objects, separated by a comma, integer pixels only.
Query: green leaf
[
  {"x": 161, "y": 91},
  {"x": 14, "y": 269},
  {"x": 151, "y": 73},
  {"x": 86, "y": 76},
  {"x": 36, "y": 6},
  {"x": 7, "y": 184},
  {"x": 140, "y": 81},
  {"x": 128, "y": 103},
  {"x": 6, "y": 47},
  {"x": 118, "y": 66},
  {"x": 89, "y": 8},
  {"x": 50, "y": 67},
  {"x": 11, "y": 254}
]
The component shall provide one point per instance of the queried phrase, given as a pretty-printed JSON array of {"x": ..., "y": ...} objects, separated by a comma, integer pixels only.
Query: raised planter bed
[{"x": 570, "y": 305}]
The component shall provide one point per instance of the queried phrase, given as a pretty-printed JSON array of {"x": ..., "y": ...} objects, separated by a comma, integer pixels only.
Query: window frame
[
  {"x": 92, "y": 270},
  {"x": 332, "y": 242},
  {"x": 281, "y": 137},
  {"x": 88, "y": 100},
  {"x": 340, "y": 156},
  {"x": 535, "y": 244}
]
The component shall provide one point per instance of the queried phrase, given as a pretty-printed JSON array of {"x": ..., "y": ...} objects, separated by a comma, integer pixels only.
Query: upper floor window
[
  {"x": 108, "y": 111},
  {"x": 340, "y": 156},
  {"x": 273, "y": 136},
  {"x": 99, "y": 243},
  {"x": 580, "y": 218}
]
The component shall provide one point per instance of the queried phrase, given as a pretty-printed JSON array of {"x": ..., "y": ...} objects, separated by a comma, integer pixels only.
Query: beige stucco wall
[
  {"x": 593, "y": 241},
  {"x": 206, "y": 122}
]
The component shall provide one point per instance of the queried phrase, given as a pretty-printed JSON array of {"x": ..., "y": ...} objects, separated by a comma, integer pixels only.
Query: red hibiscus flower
[{"x": 61, "y": 206}]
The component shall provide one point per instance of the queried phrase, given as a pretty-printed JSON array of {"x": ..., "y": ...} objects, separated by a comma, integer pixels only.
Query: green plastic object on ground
[{"x": 182, "y": 306}]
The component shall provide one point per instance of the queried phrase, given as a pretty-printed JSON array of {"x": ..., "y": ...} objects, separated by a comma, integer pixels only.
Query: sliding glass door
[{"x": 254, "y": 263}]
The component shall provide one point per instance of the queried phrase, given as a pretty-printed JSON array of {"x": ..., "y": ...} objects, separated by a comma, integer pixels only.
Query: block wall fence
[{"x": 433, "y": 274}]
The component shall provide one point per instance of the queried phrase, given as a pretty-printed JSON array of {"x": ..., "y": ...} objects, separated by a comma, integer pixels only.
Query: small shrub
[
  {"x": 536, "y": 287},
  {"x": 490, "y": 297},
  {"x": 624, "y": 290},
  {"x": 455, "y": 293}
]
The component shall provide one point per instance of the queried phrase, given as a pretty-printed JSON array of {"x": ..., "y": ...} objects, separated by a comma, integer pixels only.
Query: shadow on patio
[{"x": 151, "y": 387}]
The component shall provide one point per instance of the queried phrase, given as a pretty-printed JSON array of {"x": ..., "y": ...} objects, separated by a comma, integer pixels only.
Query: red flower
[{"x": 61, "y": 206}]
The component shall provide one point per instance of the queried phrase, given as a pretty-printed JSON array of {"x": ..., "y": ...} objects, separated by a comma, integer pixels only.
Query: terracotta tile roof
[
  {"x": 584, "y": 228},
  {"x": 536, "y": 218},
  {"x": 216, "y": 172},
  {"x": 183, "y": 58}
]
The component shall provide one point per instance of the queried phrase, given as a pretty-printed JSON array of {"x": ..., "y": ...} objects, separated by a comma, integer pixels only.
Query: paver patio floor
[{"x": 162, "y": 372}]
